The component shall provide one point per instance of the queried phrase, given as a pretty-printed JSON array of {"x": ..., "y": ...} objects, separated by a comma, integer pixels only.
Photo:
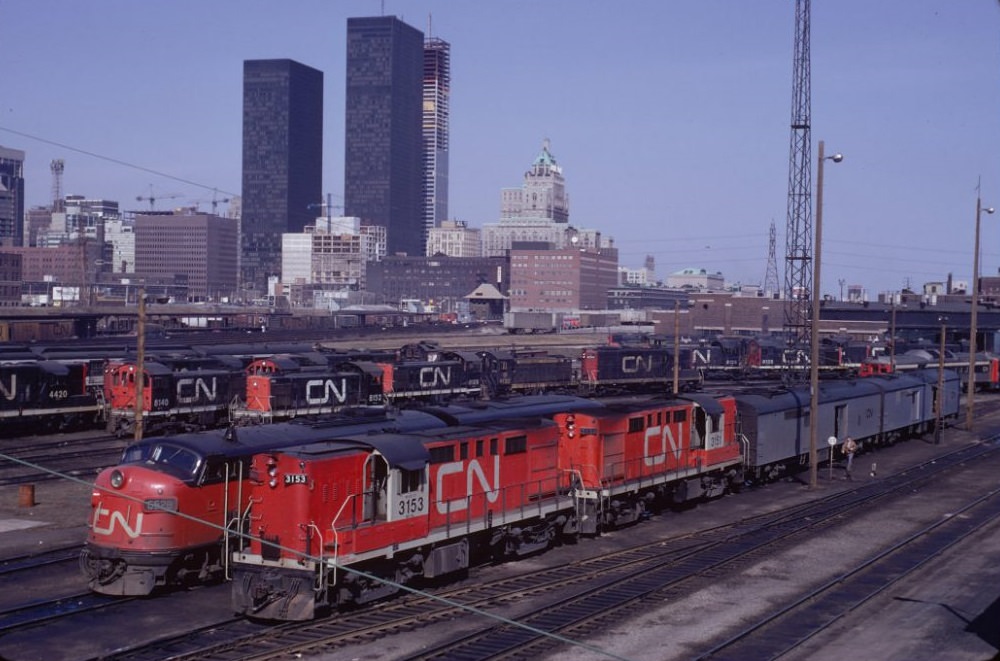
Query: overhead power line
[{"x": 115, "y": 160}]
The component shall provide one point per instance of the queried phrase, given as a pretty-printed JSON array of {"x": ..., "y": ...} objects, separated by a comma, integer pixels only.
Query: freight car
[
  {"x": 350, "y": 520},
  {"x": 164, "y": 515}
]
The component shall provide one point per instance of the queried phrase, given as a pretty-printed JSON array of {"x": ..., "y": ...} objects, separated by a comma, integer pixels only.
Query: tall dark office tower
[
  {"x": 437, "y": 94},
  {"x": 282, "y": 161},
  {"x": 383, "y": 169},
  {"x": 11, "y": 197}
]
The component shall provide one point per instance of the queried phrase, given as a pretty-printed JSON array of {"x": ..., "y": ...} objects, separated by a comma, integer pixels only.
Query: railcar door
[
  {"x": 707, "y": 429},
  {"x": 376, "y": 487},
  {"x": 840, "y": 421}
]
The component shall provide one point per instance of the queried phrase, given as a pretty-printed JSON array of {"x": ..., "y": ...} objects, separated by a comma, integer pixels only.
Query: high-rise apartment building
[
  {"x": 11, "y": 197},
  {"x": 383, "y": 147},
  {"x": 282, "y": 161},
  {"x": 437, "y": 94}
]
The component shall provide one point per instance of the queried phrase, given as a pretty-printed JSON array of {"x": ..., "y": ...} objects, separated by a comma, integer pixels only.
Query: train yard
[
  {"x": 736, "y": 577},
  {"x": 724, "y": 572}
]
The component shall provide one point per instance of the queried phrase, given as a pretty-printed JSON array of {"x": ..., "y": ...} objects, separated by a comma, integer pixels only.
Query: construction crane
[
  {"x": 328, "y": 208},
  {"x": 151, "y": 198},
  {"x": 215, "y": 201}
]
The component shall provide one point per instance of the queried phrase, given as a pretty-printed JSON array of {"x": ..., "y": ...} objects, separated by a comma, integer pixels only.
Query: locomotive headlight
[
  {"x": 273, "y": 482},
  {"x": 117, "y": 479}
]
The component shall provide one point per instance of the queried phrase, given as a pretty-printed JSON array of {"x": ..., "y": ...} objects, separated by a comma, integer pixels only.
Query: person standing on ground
[{"x": 850, "y": 447}]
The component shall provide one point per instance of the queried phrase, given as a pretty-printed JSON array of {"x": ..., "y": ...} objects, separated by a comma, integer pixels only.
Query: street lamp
[
  {"x": 814, "y": 327},
  {"x": 971, "y": 387}
]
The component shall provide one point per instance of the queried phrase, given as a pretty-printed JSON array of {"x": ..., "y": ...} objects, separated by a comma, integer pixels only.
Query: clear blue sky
[{"x": 670, "y": 118}]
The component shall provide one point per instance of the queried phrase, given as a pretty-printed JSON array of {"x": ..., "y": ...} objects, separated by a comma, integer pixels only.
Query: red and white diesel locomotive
[
  {"x": 166, "y": 513},
  {"x": 347, "y": 521}
]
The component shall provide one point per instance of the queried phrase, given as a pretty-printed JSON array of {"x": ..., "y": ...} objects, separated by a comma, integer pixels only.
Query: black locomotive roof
[
  {"x": 245, "y": 441},
  {"x": 710, "y": 403},
  {"x": 408, "y": 451}
]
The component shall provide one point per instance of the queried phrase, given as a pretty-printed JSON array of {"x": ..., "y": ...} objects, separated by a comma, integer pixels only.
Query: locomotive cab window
[
  {"x": 410, "y": 481},
  {"x": 172, "y": 459}
]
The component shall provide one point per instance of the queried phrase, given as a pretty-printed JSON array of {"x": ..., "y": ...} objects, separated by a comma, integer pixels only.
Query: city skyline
[{"x": 672, "y": 129}]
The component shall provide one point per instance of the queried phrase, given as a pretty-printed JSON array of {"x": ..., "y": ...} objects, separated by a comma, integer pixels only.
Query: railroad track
[
  {"x": 792, "y": 626},
  {"x": 584, "y": 597},
  {"x": 55, "y": 459}
]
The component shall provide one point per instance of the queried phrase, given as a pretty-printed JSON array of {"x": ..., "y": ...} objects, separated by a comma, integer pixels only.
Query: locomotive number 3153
[{"x": 411, "y": 505}]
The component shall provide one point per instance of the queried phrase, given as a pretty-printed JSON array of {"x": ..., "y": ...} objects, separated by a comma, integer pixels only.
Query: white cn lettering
[
  {"x": 106, "y": 529},
  {"x": 634, "y": 364},
  {"x": 474, "y": 473},
  {"x": 323, "y": 391},
  {"x": 663, "y": 438},
  {"x": 431, "y": 377},
  {"x": 188, "y": 389},
  {"x": 9, "y": 393}
]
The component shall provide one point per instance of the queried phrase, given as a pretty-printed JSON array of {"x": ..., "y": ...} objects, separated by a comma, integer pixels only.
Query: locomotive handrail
[
  {"x": 336, "y": 534},
  {"x": 320, "y": 588},
  {"x": 744, "y": 447}
]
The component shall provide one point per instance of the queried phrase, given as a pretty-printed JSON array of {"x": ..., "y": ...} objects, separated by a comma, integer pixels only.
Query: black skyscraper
[
  {"x": 383, "y": 169},
  {"x": 282, "y": 160}
]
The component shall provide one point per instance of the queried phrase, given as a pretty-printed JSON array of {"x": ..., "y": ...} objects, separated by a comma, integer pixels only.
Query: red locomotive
[
  {"x": 348, "y": 520},
  {"x": 165, "y": 514}
]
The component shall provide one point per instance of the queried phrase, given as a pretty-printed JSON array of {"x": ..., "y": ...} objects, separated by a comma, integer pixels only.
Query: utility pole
[
  {"x": 677, "y": 347},
  {"x": 140, "y": 357}
]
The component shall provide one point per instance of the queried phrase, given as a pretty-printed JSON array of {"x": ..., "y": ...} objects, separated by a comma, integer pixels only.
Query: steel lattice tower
[
  {"x": 771, "y": 276},
  {"x": 798, "y": 232}
]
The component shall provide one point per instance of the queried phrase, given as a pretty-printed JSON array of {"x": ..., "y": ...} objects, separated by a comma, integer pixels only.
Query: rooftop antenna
[
  {"x": 771, "y": 275},
  {"x": 56, "y": 167}
]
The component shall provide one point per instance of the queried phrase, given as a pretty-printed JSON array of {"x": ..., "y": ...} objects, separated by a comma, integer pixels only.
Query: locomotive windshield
[{"x": 166, "y": 457}]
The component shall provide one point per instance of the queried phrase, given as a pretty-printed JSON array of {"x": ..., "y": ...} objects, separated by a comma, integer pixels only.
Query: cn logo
[
  {"x": 659, "y": 442},
  {"x": 9, "y": 392},
  {"x": 473, "y": 474},
  {"x": 324, "y": 391},
  {"x": 637, "y": 364},
  {"x": 188, "y": 390},
  {"x": 105, "y": 521},
  {"x": 433, "y": 377}
]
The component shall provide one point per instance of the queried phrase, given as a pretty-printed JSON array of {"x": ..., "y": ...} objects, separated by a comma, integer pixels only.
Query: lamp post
[
  {"x": 970, "y": 391},
  {"x": 814, "y": 326}
]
